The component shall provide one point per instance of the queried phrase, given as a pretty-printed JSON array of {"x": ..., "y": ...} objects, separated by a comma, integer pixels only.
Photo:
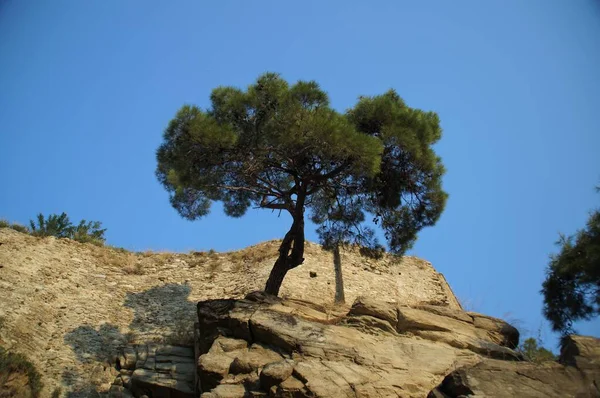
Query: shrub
[
  {"x": 11, "y": 363},
  {"x": 534, "y": 352},
  {"x": 55, "y": 225},
  {"x": 89, "y": 232},
  {"x": 4, "y": 223},
  {"x": 61, "y": 227}
]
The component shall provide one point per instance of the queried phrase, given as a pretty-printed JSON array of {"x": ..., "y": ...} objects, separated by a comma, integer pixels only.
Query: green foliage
[
  {"x": 283, "y": 147},
  {"x": 89, "y": 232},
  {"x": 17, "y": 363},
  {"x": 4, "y": 223},
  {"x": 61, "y": 227},
  {"x": 376, "y": 252},
  {"x": 55, "y": 225},
  {"x": 405, "y": 196},
  {"x": 254, "y": 147},
  {"x": 534, "y": 352},
  {"x": 572, "y": 286}
]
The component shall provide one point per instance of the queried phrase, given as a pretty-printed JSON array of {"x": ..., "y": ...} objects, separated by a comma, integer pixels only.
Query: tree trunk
[
  {"x": 276, "y": 277},
  {"x": 294, "y": 242},
  {"x": 339, "y": 280}
]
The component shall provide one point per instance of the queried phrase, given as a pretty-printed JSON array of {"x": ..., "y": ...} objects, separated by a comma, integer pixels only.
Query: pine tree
[
  {"x": 276, "y": 146},
  {"x": 572, "y": 286}
]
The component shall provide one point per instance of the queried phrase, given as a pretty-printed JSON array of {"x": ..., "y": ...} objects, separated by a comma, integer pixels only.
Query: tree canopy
[
  {"x": 572, "y": 286},
  {"x": 283, "y": 147}
]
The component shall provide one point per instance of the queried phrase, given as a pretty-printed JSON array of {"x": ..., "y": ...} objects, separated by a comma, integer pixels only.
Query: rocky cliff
[
  {"x": 264, "y": 346},
  {"x": 99, "y": 321},
  {"x": 71, "y": 307}
]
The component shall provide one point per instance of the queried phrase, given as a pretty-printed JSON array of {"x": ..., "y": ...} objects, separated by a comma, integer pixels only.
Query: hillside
[{"x": 70, "y": 307}]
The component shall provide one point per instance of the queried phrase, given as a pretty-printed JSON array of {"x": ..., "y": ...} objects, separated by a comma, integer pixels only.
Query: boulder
[
  {"x": 495, "y": 378},
  {"x": 212, "y": 368},
  {"x": 227, "y": 391},
  {"x": 225, "y": 344},
  {"x": 250, "y": 360},
  {"x": 498, "y": 330},
  {"x": 274, "y": 373},
  {"x": 291, "y": 388},
  {"x": 381, "y": 310},
  {"x": 484, "y": 335},
  {"x": 582, "y": 352}
]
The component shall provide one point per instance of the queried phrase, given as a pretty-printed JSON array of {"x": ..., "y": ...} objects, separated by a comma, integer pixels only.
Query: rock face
[
  {"x": 262, "y": 346},
  {"x": 98, "y": 320},
  {"x": 285, "y": 348},
  {"x": 155, "y": 371},
  {"x": 577, "y": 375},
  {"x": 70, "y": 307}
]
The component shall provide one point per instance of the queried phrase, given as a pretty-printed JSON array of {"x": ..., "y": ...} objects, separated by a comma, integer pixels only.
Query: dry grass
[
  {"x": 213, "y": 266},
  {"x": 132, "y": 263},
  {"x": 254, "y": 255},
  {"x": 159, "y": 259},
  {"x": 135, "y": 269},
  {"x": 195, "y": 258}
]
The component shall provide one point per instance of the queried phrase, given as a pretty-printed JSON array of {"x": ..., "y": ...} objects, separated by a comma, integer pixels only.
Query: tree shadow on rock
[
  {"x": 97, "y": 350},
  {"x": 163, "y": 311},
  {"x": 81, "y": 385},
  {"x": 95, "y": 344},
  {"x": 161, "y": 314}
]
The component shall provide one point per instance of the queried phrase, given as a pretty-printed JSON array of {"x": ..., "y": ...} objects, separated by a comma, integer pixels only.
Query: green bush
[
  {"x": 4, "y": 223},
  {"x": 11, "y": 363},
  {"x": 534, "y": 352},
  {"x": 61, "y": 227},
  {"x": 89, "y": 232},
  {"x": 55, "y": 225}
]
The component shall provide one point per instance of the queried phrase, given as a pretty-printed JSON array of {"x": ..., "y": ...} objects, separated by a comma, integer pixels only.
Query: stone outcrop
[
  {"x": 98, "y": 321},
  {"x": 577, "y": 374},
  {"x": 263, "y": 345},
  {"x": 155, "y": 371},
  {"x": 70, "y": 307}
]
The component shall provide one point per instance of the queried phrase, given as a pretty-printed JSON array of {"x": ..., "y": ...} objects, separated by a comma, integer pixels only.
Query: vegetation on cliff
[
  {"x": 60, "y": 226},
  {"x": 572, "y": 286},
  {"x": 281, "y": 147}
]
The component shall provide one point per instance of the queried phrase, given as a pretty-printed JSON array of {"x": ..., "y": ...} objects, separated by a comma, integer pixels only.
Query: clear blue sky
[{"x": 87, "y": 87}]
